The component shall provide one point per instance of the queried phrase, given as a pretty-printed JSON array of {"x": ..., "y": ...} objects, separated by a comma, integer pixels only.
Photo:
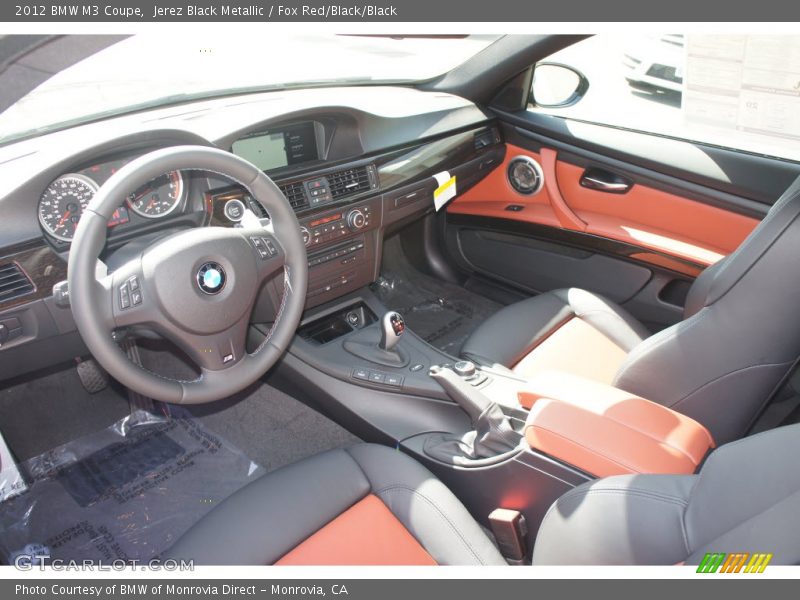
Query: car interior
[{"x": 396, "y": 324}]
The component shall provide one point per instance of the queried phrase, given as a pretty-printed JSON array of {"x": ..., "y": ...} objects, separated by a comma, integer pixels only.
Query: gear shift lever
[
  {"x": 381, "y": 350},
  {"x": 392, "y": 328}
]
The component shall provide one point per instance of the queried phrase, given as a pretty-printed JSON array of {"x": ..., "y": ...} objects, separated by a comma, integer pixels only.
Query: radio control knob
[
  {"x": 306, "y": 235},
  {"x": 356, "y": 219}
]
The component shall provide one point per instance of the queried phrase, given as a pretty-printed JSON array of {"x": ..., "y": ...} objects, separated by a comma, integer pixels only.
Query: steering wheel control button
[
  {"x": 265, "y": 246},
  {"x": 234, "y": 210},
  {"x": 211, "y": 278},
  {"x": 130, "y": 293},
  {"x": 270, "y": 246},
  {"x": 227, "y": 358},
  {"x": 124, "y": 297}
]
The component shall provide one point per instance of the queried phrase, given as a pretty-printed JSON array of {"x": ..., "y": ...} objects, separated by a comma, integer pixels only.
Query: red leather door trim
[{"x": 644, "y": 217}]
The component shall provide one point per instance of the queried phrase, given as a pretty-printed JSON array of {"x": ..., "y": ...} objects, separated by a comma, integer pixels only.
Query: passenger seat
[{"x": 739, "y": 337}]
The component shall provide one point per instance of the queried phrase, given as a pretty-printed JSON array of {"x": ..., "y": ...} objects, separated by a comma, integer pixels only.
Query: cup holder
[{"x": 335, "y": 325}]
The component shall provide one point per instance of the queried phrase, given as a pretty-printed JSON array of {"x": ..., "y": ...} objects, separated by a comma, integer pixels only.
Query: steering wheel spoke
[{"x": 213, "y": 352}]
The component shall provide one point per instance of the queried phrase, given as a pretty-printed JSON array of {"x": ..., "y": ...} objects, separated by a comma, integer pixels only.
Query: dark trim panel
[
  {"x": 581, "y": 241},
  {"x": 41, "y": 265}
]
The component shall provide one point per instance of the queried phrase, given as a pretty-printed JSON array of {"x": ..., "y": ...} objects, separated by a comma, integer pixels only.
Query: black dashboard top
[{"x": 320, "y": 152}]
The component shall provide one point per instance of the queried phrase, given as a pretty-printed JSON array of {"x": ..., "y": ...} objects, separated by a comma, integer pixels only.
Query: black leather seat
[
  {"x": 373, "y": 505},
  {"x": 739, "y": 337},
  {"x": 367, "y": 504}
]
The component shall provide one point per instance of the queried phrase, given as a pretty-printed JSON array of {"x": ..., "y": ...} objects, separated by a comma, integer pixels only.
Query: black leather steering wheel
[{"x": 196, "y": 288}]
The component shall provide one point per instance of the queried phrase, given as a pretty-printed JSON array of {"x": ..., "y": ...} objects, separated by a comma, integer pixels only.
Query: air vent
[
  {"x": 13, "y": 283},
  {"x": 296, "y": 195},
  {"x": 485, "y": 138},
  {"x": 350, "y": 181}
]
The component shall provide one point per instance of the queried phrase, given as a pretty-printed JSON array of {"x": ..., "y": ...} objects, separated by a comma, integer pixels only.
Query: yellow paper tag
[{"x": 446, "y": 190}]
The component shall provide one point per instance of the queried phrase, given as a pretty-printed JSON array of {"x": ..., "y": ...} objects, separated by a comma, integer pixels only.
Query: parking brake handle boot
[{"x": 493, "y": 433}]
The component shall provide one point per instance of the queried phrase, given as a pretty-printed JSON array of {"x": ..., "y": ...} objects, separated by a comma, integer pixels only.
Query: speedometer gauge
[
  {"x": 63, "y": 203},
  {"x": 159, "y": 197}
]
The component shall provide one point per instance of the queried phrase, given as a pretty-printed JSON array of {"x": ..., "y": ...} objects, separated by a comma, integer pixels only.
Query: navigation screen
[{"x": 279, "y": 148}]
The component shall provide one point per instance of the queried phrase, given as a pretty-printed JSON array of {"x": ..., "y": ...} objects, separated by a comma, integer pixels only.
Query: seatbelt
[{"x": 510, "y": 531}]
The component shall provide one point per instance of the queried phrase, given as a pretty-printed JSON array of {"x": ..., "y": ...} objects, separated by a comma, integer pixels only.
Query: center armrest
[{"x": 605, "y": 431}]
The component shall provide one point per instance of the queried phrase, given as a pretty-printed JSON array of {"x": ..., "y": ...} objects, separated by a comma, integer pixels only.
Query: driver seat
[
  {"x": 372, "y": 505},
  {"x": 739, "y": 337}
]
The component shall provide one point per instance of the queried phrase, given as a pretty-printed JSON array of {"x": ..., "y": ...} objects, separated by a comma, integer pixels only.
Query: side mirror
[{"x": 556, "y": 85}]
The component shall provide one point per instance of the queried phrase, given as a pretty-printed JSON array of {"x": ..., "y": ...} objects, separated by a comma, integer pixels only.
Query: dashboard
[{"x": 355, "y": 164}]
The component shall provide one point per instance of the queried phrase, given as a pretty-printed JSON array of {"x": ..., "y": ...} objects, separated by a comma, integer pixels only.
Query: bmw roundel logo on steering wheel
[{"x": 211, "y": 278}]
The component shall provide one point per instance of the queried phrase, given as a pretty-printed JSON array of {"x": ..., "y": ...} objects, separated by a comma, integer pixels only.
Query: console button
[
  {"x": 394, "y": 380},
  {"x": 377, "y": 377},
  {"x": 465, "y": 368},
  {"x": 360, "y": 373}
]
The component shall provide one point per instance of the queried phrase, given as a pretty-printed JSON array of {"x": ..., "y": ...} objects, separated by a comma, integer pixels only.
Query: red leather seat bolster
[{"x": 365, "y": 534}]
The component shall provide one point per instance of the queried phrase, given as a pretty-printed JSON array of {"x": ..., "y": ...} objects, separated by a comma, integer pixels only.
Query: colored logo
[
  {"x": 739, "y": 562},
  {"x": 211, "y": 278}
]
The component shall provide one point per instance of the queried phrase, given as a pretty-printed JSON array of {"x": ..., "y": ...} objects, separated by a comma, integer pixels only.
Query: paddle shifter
[{"x": 392, "y": 328}]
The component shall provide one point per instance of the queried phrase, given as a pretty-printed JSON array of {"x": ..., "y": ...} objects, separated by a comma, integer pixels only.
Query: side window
[{"x": 734, "y": 91}]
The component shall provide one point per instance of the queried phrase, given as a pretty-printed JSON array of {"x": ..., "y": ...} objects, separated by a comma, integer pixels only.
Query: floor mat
[
  {"x": 441, "y": 313},
  {"x": 125, "y": 492},
  {"x": 271, "y": 427},
  {"x": 42, "y": 412}
]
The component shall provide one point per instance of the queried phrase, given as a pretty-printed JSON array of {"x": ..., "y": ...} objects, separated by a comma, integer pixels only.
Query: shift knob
[{"x": 392, "y": 328}]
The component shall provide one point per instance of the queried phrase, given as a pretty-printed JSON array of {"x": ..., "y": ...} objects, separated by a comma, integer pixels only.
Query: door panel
[
  {"x": 655, "y": 219},
  {"x": 539, "y": 266},
  {"x": 664, "y": 225},
  {"x": 643, "y": 216}
]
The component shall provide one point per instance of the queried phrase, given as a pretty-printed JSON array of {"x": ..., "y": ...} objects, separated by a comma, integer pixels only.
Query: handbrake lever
[{"x": 471, "y": 400}]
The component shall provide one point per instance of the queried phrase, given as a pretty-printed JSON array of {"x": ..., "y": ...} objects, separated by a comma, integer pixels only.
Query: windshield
[{"x": 152, "y": 70}]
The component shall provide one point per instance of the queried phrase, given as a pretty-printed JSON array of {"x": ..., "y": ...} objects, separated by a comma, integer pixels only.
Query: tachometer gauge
[
  {"x": 63, "y": 203},
  {"x": 159, "y": 197}
]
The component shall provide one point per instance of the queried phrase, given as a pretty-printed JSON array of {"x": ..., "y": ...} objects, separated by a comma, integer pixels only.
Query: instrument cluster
[{"x": 66, "y": 198}]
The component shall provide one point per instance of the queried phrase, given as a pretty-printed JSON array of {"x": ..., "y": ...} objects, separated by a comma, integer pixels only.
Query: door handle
[{"x": 604, "y": 181}]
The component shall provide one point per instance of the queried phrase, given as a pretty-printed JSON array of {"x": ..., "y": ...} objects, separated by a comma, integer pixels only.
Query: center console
[
  {"x": 496, "y": 439},
  {"x": 343, "y": 248}
]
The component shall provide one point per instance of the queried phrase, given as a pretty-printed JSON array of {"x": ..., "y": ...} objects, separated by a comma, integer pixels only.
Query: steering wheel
[{"x": 196, "y": 288}]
